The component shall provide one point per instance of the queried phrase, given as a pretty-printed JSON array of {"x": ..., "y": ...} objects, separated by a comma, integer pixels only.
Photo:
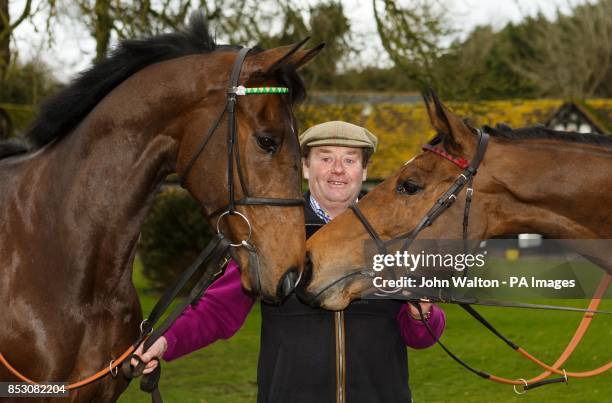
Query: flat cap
[{"x": 337, "y": 133}]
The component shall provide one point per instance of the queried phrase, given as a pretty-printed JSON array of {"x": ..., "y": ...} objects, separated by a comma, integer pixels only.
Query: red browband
[{"x": 459, "y": 161}]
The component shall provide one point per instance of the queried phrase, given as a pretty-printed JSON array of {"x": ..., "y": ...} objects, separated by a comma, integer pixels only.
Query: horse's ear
[
  {"x": 303, "y": 57},
  {"x": 455, "y": 134},
  {"x": 268, "y": 61},
  {"x": 435, "y": 110}
]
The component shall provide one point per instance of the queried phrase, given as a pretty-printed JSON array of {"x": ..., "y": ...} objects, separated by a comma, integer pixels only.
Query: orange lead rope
[
  {"x": 539, "y": 380},
  {"x": 571, "y": 346},
  {"x": 114, "y": 364}
]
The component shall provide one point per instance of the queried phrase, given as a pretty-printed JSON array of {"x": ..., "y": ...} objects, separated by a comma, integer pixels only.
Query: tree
[
  {"x": 413, "y": 37},
  {"x": 107, "y": 19},
  {"x": 249, "y": 22},
  {"x": 21, "y": 85},
  {"x": 6, "y": 29},
  {"x": 256, "y": 23},
  {"x": 573, "y": 54},
  {"x": 480, "y": 67}
]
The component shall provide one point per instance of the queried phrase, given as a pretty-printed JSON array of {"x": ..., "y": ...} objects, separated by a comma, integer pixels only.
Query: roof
[
  {"x": 403, "y": 128},
  {"x": 572, "y": 116}
]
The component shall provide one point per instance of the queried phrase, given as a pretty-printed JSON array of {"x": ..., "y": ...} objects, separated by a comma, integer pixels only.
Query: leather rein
[
  {"x": 443, "y": 203},
  {"x": 213, "y": 258}
]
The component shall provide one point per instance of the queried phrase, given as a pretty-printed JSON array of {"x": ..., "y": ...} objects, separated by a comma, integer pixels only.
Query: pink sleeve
[
  {"x": 415, "y": 333},
  {"x": 219, "y": 314}
]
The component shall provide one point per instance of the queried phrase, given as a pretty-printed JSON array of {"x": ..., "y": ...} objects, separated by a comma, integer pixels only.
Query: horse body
[
  {"x": 88, "y": 196},
  {"x": 565, "y": 200},
  {"x": 71, "y": 211},
  {"x": 529, "y": 181}
]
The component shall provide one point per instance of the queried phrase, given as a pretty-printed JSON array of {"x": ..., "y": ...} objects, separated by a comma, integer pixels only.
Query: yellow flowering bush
[{"x": 403, "y": 128}]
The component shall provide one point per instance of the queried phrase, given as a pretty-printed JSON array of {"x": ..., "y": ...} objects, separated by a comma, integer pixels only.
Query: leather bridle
[
  {"x": 443, "y": 203},
  {"x": 233, "y": 157}
]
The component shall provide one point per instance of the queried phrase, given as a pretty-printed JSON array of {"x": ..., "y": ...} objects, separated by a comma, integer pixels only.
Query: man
[{"x": 307, "y": 354}]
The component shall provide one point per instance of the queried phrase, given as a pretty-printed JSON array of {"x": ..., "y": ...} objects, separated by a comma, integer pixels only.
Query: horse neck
[
  {"x": 110, "y": 168},
  {"x": 551, "y": 187}
]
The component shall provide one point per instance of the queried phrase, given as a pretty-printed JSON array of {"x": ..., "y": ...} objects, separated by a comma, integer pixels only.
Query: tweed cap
[{"x": 337, "y": 133}]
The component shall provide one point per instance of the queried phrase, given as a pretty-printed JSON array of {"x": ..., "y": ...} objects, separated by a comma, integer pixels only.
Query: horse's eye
[
  {"x": 408, "y": 187},
  {"x": 266, "y": 143}
]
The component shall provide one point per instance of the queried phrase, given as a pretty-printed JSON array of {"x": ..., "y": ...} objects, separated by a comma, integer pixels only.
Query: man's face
[{"x": 334, "y": 174}]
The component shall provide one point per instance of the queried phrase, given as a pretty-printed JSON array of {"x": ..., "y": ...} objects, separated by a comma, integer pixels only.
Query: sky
[{"x": 74, "y": 49}]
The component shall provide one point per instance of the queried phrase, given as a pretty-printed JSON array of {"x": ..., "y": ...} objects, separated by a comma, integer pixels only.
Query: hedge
[{"x": 172, "y": 237}]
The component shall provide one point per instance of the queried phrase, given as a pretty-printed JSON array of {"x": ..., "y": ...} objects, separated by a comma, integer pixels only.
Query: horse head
[
  {"x": 256, "y": 201},
  {"x": 521, "y": 187}
]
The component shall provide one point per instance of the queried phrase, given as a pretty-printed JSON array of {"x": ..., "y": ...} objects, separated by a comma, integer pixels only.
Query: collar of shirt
[
  {"x": 316, "y": 207},
  {"x": 319, "y": 211}
]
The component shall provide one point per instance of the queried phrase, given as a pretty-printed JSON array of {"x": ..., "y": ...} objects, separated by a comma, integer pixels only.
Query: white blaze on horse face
[{"x": 335, "y": 175}]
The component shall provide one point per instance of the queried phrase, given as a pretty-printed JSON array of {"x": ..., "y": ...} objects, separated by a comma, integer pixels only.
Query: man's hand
[
  {"x": 425, "y": 307},
  {"x": 156, "y": 350}
]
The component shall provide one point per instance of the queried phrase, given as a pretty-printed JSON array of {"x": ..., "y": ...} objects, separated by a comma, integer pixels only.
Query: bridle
[
  {"x": 233, "y": 156},
  {"x": 443, "y": 203},
  {"x": 214, "y": 256}
]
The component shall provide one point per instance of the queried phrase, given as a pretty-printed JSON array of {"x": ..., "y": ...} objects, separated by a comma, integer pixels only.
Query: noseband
[
  {"x": 233, "y": 156},
  {"x": 443, "y": 203}
]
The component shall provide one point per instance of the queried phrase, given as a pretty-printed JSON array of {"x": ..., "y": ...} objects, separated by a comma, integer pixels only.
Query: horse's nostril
[{"x": 287, "y": 283}]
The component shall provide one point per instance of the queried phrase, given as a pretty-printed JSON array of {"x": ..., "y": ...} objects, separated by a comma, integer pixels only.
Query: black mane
[
  {"x": 62, "y": 113},
  {"x": 541, "y": 132}
]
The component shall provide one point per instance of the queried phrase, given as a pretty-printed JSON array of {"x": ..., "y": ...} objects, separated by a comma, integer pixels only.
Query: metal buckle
[
  {"x": 469, "y": 192},
  {"x": 110, "y": 369},
  {"x": 142, "y": 328},
  {"x": 524, "y": 390},
  {"x": 239, "y": 90},
  {"x": 244, "y": 242}
]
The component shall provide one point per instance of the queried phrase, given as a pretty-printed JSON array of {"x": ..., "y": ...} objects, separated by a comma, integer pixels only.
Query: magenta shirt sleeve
[
  {"x": 219, "y": 314},
  {"x": 415, "y": 333}
]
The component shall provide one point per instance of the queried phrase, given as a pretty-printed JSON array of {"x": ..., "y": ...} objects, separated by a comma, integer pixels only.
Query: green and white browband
[{"x": 242, "y": 90}]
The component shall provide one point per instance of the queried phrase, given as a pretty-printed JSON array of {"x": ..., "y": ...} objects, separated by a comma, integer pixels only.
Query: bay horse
[
  {"x": 72, "y": 206},
  {"x": 530, "y": 180}
]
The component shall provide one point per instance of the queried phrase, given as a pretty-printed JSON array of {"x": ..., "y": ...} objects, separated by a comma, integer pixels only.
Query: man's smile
[{"x": 336, "y": 183}]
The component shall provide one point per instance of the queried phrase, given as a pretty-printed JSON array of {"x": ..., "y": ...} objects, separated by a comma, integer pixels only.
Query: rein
[
  {"x": 443, "y": 203},
  {"x": 541, "y": 379},
  {"x": 213, "y": 259},
  {"x": 210, "y": 258}
]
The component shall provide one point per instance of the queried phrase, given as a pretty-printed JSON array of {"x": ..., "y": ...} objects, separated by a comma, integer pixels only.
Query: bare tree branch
[
  {"x": 412, "y": 37},
  {"x": 9, "y": 28}
]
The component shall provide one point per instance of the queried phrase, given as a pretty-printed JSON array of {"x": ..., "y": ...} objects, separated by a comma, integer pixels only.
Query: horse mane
[
  {"x": 60, "y": 114},
  {"x": 504, "y": 131}
]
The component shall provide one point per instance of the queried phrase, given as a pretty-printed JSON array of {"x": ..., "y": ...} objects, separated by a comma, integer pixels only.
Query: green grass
[{"x": 226, "y": 371}]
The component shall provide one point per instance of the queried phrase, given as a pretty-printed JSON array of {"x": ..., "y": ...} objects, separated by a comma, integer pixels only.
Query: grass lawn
[{"x": 226, "y": 371}]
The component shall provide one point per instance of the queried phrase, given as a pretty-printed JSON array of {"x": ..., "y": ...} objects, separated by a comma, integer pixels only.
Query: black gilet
[{"x": 300, "y": 351}]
